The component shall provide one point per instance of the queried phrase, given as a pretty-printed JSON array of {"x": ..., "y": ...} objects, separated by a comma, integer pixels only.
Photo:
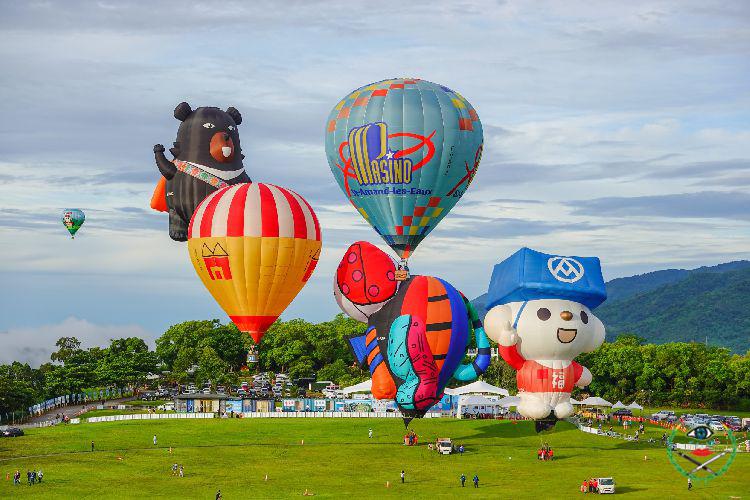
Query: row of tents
[{"x": 481, "y": 387}]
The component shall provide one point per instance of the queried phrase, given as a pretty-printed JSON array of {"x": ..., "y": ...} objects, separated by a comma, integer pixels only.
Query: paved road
[{"x": 70, "y": 411}]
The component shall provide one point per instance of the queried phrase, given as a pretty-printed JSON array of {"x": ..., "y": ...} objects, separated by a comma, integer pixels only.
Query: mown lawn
[{"x": 338, "y": 460}]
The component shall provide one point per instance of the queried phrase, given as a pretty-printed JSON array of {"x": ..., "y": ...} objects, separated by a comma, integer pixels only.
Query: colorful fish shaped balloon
[{"x": 418, "y": 330}]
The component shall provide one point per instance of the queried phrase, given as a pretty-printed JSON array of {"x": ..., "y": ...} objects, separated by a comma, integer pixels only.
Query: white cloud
[
  {"x": 34, "y": 345},
  {"x": 580, "y": 101}
]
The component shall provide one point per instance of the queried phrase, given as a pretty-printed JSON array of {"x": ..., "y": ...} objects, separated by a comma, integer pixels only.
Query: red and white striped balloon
[{"x": 254, "y": 246}]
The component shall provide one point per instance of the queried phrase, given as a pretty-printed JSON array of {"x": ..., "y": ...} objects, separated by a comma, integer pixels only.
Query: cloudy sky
[{"x": 616, "y": 129}]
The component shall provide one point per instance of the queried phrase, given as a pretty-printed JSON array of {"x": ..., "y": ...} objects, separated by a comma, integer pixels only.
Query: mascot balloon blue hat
[{"x": 531, "y": 275}]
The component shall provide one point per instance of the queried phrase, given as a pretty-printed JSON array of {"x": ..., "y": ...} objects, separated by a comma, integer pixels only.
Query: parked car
[
  {"x": 11, "y": 432},
  {"x": 735, "y": 426},
  {"x": 662, "y": 415},
  {"x": 715, "y": 425},
  {"x": 606, "y": 485},
  {"x": 623, "y": 412}
]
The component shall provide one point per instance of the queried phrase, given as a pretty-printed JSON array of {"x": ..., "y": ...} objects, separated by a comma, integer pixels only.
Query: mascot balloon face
[
  {"x": 417, "y": 334},
  {"x": 207, "y": 157},
  {"x": 540, "y": 316}
]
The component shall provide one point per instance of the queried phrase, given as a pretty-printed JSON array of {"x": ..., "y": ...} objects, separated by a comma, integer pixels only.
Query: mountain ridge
[{"x": 682, "y": 305}]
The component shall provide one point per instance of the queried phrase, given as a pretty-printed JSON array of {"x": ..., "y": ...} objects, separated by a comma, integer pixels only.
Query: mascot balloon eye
[{"x": 417, "y": 333}]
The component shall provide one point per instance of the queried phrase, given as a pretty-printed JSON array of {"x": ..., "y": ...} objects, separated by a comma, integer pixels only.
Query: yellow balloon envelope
[{"x": 254, "y": 246}]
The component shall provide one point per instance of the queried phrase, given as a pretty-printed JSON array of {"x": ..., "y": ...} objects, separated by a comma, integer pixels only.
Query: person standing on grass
[
  {"x": 154, "y": 439},
  {"x": 182, "y": 471},
  {"x": 369, "y": 433},
  {"x": 92, "y": 446},
  {"x": 174, "y": 469},
  {"x": 463, "y": 480},
  {"x": 476, "y": 481},
  {"x": 690, "y": 484},
  {"x": 403, "y": 474},
  {"x": 218, "y": 495},
  {"x": 40, "y": 476},
  {"x": 28, "y": 476}
]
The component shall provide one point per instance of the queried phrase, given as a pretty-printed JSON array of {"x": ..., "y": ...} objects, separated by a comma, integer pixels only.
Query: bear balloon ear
[
  {"x": 182, "y": 111},
  {"x": 235, "y": 114}
]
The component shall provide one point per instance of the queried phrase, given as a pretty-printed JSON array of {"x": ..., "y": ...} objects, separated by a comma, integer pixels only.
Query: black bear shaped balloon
[{"x": 207, "y": 157}]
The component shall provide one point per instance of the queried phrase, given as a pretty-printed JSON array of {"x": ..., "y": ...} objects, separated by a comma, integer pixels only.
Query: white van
[
  {"x": 606, "y": 484},
  {"x": 444, "y": 446}
]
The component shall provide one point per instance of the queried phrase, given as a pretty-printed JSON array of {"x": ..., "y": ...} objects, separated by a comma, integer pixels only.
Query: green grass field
[{"x": 338, "y": 460}]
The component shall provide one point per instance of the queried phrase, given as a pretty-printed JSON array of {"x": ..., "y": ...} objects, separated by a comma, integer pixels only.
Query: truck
[
  {"x": 606, "y": 485},
  {"x": 444, "y": 446}
]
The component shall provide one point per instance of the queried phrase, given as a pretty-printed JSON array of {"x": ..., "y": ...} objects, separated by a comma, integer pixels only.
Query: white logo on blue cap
[{"x": 565, "y": 269}]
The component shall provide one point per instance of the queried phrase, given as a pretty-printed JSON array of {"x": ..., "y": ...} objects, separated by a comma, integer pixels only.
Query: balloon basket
[
  {"x": 402, "y": 273},
  {"x": 252, "y": 355}
]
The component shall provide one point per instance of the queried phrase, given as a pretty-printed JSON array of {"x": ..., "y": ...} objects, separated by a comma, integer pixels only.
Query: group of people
[
  {"x": 545, "y": 452},
  {"x": 590, "y": 485},
  {"x": 462, "y": 478},
  {"x": 32, "y": 477},
  {"x": 178, "y": 470},
  {"x": 411, "y": 439}
]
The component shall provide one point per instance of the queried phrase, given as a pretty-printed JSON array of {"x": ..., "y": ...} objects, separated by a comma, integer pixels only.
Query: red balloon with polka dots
[{"x": 365, "y": 278}]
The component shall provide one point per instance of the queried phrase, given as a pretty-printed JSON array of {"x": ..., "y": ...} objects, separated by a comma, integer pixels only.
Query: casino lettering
[{"x": 383, "y": 171}]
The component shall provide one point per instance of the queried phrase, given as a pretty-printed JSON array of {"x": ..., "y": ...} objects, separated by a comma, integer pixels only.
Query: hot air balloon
[
  {"x": 418, "y": 330},
  {"x": 404, "y": 151},
  {"x": 254, "y": 246},
  {"x": 73, "y": 219},
  {"x": 540, "y": 314},
  {"x": 207, "y": 157}
]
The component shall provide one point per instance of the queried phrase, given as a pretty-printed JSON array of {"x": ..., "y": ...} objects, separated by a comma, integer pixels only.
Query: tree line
[{"x": 675, "y": 374}]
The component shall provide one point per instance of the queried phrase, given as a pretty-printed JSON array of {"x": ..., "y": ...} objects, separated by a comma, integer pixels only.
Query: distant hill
[
  {"x": 623, "y": 288},
  {"x": 679, "y": 305}
]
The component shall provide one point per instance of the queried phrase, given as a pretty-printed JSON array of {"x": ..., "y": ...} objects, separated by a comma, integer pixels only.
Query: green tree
[
  {"x": 212, "y": 369},
  {"x": 127, "y": 362}
]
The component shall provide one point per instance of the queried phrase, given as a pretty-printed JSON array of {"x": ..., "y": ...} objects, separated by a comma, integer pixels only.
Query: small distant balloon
[{"x": 72, "y": 219}]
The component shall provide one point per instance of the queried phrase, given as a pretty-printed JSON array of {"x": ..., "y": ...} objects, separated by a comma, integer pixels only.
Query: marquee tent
[
  {"x": 595, "y": 401},
  {"x": 477, "y": 387},
  {"x": 365, "y": 386},
  {"x": 509, "y": 401}
]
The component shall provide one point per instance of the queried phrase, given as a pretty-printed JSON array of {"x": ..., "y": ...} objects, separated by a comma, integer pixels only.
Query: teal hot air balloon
[
  {"x": 404, "y": 151},
  {"x": 72, "y": 219}
]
